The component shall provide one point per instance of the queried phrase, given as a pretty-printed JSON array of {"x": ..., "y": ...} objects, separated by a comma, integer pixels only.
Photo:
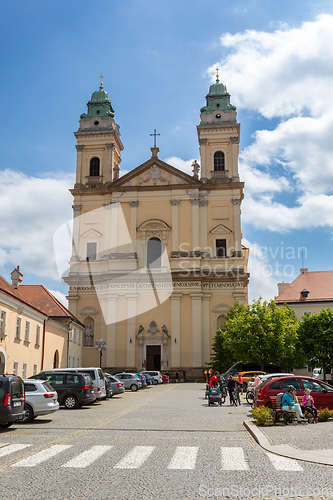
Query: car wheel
[
  {"x": 155, "y": 381},
  {"x": 70, "y": 402},
  {"x": 134, "y": 387},
  {"x": 5, "y": 425},
  {"x": 28, "y": 414}
]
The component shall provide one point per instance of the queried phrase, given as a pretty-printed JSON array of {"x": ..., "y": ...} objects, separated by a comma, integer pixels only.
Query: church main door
[{"x": 153, "y": 357}]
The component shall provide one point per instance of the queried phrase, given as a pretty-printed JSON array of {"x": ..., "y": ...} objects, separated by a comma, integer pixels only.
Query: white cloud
[
  {"x": 60, "y": 296},
  {"x": 31, "y": 209},
  {"x": 184, "y": 165},
  {"x": 282, "y": 73}
]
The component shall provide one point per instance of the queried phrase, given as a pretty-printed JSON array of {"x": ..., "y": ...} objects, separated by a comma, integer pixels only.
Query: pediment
[
  {"x": 221, "y": 229},
  {"x": 91, "y": 233},
  {"x": 155, "y": 172}
]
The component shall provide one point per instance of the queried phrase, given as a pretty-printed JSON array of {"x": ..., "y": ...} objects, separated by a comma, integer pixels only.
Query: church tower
[{"x": 157, "y": 259}]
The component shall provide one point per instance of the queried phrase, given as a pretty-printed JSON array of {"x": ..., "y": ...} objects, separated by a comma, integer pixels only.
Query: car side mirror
[{"x": 323, "y": 390}]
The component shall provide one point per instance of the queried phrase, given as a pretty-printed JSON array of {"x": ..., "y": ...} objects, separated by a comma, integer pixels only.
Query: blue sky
[{"x": 157, "y": 58}]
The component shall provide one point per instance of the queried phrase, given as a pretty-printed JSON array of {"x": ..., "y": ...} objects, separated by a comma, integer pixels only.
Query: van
[
  {"x": 97, "y": 377},
  {"x": 12, "y": 400}
]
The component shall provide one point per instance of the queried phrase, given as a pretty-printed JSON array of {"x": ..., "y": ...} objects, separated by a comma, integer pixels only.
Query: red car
[
  {"x": 165, "y": 378},
  {"x": 321, "y": 392}
]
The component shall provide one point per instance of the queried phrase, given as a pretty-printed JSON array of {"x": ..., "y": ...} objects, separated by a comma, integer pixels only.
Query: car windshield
[{"x": 327, "y": 387}]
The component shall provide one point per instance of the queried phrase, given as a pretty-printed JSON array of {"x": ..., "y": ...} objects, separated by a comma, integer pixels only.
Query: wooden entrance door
[{"x": 153, "y": 357}]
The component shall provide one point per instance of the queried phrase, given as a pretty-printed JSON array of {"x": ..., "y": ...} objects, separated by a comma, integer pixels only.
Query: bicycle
[
  {"x": 236, "y": 396},
  {"x": 250, "y": 397}
]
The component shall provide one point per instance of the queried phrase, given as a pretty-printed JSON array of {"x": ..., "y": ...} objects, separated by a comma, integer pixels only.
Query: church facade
[{"x": 157, "y": 259}]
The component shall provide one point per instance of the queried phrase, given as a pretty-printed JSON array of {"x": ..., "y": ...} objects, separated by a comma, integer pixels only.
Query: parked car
[
  {"x": 130, "y": 380},
  {"x": 11, "y": 399},
  {"x": 143, "y": 380},
  {"x": 74, "y": 389},
  {"x": 156, "y": 376},
  {"x": 117, "y": 385},
  {"x": 149, "y": 379},
  {"x": 266, "y": 377},
  {"x": 321, "y": 392},
  {"x": 246, "y": 376},
  {"x": 40, "y": 399},
  {"x": 165, "y": 378},
  {"x": 96, "y": 375}
]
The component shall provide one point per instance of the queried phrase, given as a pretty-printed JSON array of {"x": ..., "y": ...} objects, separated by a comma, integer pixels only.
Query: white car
[
  {"x": 156, "y": 376},
  {"x": 267, "y": 377},
  {"x": 40, "y": 399}
]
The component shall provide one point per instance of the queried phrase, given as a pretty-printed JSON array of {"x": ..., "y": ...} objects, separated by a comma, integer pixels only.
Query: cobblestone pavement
[
  {"x": 310, "y": 437},
  {"x": 161, "y": 443}
]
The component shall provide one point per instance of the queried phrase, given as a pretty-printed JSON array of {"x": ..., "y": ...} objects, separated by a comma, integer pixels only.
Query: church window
[
  {"x": 219, "y": 161},
  {"x": 154, "y": 253},
  {"x": 94, "y": 167},
  {"x": 91, "y": 251},
  {"x": 221, "y": 248}
]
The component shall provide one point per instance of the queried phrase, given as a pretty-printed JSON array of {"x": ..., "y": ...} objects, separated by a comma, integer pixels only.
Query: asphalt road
[{"x": 160, "y": 443}]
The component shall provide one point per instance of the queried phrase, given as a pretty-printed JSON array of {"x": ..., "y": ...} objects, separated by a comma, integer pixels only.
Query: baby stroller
[{"x": 214, "y": 396}]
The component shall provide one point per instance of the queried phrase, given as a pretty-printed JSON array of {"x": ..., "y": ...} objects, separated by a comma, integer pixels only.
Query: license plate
[{"x": 17, "y": 403}]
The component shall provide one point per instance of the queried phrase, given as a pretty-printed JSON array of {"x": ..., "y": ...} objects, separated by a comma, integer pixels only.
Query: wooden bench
[{"x": 277, "y": 412}]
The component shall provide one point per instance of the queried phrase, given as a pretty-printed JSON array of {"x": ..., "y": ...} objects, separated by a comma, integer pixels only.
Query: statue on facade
[
  {"x": 196, "y": 169},
  {"x": 89, "y": 336},
  {"x": 165, "y": 331},
  {"x": 140, "y": 330}
]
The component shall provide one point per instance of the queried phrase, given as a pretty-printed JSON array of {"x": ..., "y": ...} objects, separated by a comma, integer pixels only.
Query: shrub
[
  {"x": 324, "y": 414},
  {"x": 262, "y": 415}
]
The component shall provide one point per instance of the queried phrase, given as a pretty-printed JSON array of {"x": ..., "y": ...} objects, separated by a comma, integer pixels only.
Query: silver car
[
  {"x": 40, "y": 399},
  {"x": 130, "y": 381},
  {"x": 117, "y": 385}
]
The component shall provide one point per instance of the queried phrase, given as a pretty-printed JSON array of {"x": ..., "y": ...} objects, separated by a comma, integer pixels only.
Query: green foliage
[
  {"x": 324, "y": 414},
  {"x": 221, "y": 358},
  {"x": 316, "y": 337},
  {"x": 261, "y": 333},
  {"x": 262, "y": 415}
]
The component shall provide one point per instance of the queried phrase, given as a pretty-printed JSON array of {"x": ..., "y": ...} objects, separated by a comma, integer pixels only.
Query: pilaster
[
  {"x": 111, "y": 330},
  {"x": 79, "y": 149},
  {"x": 131, "y": 330},
  {"x": 134, "y": 213},
  {"x": 237, "y": 225},
  {"x": 110, "y": 149},
  {"x": 205, "y": 328},
  {"x": 175, "y": 330},
  {"x": 195, "y": 224},
  {"x": 196, "y": 329},
  {"x": 175, "y": 225}
]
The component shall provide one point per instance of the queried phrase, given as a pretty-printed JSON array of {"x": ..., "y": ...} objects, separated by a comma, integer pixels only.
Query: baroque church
[{"x": 157, "y": 258}]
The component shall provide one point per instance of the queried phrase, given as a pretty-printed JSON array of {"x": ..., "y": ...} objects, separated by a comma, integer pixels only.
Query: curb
[{"x": 323, "y": 457}]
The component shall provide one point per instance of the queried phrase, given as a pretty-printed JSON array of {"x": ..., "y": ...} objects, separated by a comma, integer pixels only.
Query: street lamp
[{"x": 101, "y": 346}]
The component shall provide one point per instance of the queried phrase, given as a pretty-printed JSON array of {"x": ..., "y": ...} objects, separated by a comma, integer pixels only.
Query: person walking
[
  {"x": 289, "y": 405},
  {"x": 231, "y": 384},
  {"x": 257, "y": 380},
  {"x": 177, "y": 377},
  {"x": 214, "y": 380}
]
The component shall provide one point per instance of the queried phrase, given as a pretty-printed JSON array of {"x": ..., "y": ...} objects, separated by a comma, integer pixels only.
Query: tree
[
  {"x": 221, "y": 358},
  {"x": 261, "y": 333},
  {"x": 316, "y": 337}
]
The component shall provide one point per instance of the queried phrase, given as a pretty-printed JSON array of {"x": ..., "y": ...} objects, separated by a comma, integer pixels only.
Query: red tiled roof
[
  {"x": 319, "y": 284},
  {"x": 45, "y": 301},
  {"x": 8, "y": 289}
]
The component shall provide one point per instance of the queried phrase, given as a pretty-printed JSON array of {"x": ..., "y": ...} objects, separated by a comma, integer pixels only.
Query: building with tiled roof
[
  {"x": 309, "y": 292},
  {"x": 36, "y": 330}
]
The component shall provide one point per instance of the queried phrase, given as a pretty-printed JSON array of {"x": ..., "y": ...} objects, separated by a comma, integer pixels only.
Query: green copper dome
[
  {"x": 99, "y": 106},
  {"x": 218, "y": 98}
]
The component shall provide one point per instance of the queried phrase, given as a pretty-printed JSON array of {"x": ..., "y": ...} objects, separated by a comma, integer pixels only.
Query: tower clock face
[{"x": 217, "y": 116}]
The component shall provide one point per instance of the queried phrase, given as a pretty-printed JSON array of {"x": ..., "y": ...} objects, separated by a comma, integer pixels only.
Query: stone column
[
  {"x": 205, "y": 169},
  {"x": 196, "y": 329},
  {"x": 237, "y": 227},
  {"x": 131, "y": 329},
  {"x": 175, "y": 330},
  {"x": 206, "y": 328},
  {"x": 195, "y": 224},
  {"x": 134, "y": 212},
  {"x": 110, "y": 149},
  {"x": 76, "y": 233},
  {"x": 111, "y": 330},
  {"x": 175, "y": 225},
  {"x": 203, "y": 236},
  {"x": 79, "y": 149},
  {"x": 235, "y": 152}
]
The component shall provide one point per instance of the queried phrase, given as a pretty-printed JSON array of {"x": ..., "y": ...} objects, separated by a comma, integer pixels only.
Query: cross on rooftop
[{"x": 154, "y": 134}]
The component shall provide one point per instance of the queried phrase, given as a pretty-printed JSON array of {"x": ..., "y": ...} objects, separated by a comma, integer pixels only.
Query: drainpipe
[
  {"x": 68, "y": 326},
  {"x": 43, "y": 344}
]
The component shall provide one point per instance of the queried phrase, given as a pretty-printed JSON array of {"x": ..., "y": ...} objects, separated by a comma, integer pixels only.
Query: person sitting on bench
[{"x": 289, "y": 405}]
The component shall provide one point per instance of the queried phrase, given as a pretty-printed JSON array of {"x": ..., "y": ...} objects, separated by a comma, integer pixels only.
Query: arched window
[
  {"x": 219, "y": 161},
  {"x": 56, "y": 359},
  {"x": 154, "y": 253},
  {"x": 94, "y": 167}
]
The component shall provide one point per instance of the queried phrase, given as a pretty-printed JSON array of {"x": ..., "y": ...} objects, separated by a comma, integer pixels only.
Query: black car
[
  {"x": 11, "y": 399},
  {"x": 74, "y": 389}
]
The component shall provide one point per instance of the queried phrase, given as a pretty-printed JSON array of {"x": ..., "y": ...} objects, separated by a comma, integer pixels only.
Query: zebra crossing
[{"x": 184, "y": 457}]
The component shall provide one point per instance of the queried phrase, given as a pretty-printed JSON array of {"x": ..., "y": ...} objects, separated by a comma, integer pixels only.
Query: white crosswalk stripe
[
  {"x": 11, "y": 448},
  {"x": 135, "y": 458},
  {"x": 87, "y": 457},
  {"x": 42, "y": 456},
  {"x": 184, "y": 457},
  {"x": 284, "y": 463},
  {"x": 233, "y": 458}
]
